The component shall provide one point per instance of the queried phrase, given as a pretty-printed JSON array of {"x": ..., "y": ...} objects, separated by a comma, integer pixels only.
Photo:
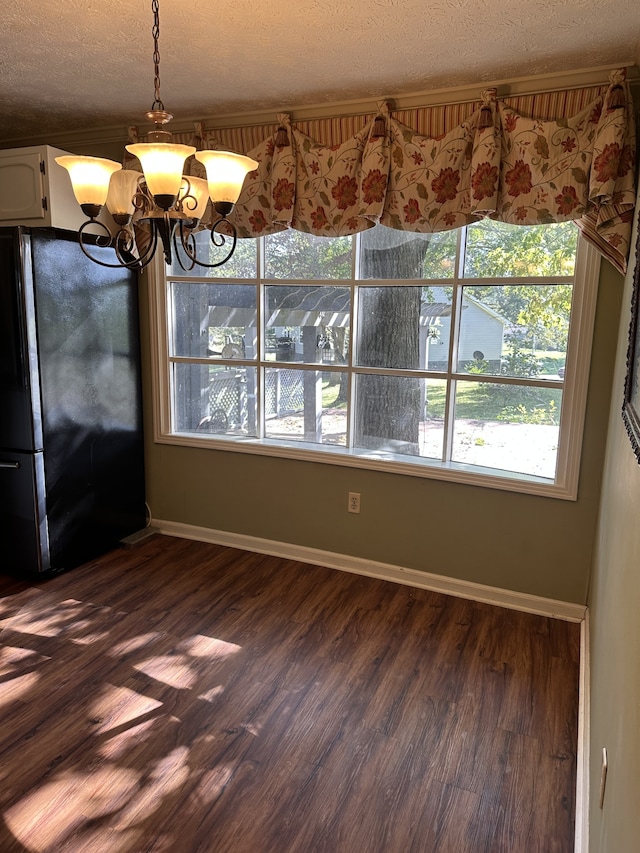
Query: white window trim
[{"x": 572, "y": 416}]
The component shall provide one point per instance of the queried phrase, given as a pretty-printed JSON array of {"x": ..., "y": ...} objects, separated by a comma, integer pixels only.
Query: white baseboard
[
  {"x": 582, "y": 769},
  {"x": 383, "y": 571}
]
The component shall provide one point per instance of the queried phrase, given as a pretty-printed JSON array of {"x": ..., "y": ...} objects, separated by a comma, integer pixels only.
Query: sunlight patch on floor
[
  {"x": 133, "y": 644},
  {"x": 166, "y": 775},
  {"x": 20, "y": 685},
  {"x": 119, "y": 706},
  {"x": 120, "y": 744},
  {"x": 49, "y": 813},
  {"x": 75, "y": 620},
  {"x": 211, "y": 695},
  {"x": 174, "y": 670},
  {"x": 201, "y": 646}
]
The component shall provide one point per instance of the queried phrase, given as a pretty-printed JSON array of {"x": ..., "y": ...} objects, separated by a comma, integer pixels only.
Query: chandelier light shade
[
  {"x": 162, "y": 164},
  {"x": 90, "y": 177},
  {"x": 226, "y": 172},
  {"x": 122, "y": 189},
  {"x": 161, "y": 199},
  {"x": 199, "y": 189}
]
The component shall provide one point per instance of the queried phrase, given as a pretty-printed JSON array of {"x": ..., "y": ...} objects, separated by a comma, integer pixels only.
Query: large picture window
[{"x": 461, "y": 355}]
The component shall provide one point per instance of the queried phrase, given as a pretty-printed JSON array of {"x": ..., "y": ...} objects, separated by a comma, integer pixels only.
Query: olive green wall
[
  {"x": 614, "y": 604},
  {"x": 524, "y": 543}
]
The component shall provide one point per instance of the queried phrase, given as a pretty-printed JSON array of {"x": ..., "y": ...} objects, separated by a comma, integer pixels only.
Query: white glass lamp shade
[
  {"x": 122, "y": 188},
  {"x": 226, "y": 172},
  {"x": 162, "y": 164},
  {"x": 89, "y": 177},
  {"x": 199, "y": 189}
]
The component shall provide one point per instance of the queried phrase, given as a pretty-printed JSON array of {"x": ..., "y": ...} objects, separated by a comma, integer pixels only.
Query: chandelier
[{"x": 167, "y": 203}]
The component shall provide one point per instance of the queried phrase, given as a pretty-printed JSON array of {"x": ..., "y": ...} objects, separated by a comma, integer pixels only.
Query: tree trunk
[{"x": 388, "y": 407}]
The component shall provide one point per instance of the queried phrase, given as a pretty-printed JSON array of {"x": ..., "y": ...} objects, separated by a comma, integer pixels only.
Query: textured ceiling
[{"x": 78, "y": 64}]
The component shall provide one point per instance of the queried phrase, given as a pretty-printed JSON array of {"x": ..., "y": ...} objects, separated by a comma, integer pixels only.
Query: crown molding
[
  {"x": 434, "y": 97},
  {"x": 558, "y": 81}
]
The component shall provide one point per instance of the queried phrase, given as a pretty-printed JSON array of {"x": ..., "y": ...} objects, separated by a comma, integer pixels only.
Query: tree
[
  {"x": 389, "y": 407},
  {"x": 540, "y": 310},
  {"x": 494, "y": 249},
  {"x": 295, "y": 255}
]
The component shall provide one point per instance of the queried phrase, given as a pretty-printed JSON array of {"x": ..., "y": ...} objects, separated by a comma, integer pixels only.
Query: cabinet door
[
  {"x": 21, "y": 188},
  {"x": 23, "y": 523},
  {"x": 20, "y": 409}
]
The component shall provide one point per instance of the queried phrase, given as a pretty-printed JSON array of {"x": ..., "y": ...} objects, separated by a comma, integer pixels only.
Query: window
[{"x": 461, "y": 355}]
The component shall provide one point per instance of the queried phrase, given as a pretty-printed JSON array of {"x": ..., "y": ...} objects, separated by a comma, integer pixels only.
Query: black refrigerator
[{"x": 71, "y": 445}]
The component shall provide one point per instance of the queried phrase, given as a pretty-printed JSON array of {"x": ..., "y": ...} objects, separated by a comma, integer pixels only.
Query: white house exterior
[{"x": 481, "y": 332}]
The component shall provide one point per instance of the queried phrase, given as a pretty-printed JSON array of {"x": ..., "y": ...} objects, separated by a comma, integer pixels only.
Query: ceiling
[{"x": 71, "y": 65}]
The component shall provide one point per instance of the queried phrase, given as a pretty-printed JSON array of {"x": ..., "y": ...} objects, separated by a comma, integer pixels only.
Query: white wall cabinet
[{"x": 35, "y": 190}]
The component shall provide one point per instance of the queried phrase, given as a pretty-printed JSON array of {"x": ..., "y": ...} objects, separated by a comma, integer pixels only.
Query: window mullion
[
  {"x": 355, "y": 257},
  {"x": 456, "y": 313},
  {"x": 260, "y": 363},
  {"x": 352, "y": 399},
  {"x": 260, "y": 379}
]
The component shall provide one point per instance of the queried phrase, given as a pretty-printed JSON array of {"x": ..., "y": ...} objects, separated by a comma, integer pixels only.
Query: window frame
[{"x": 574, "y": 384}]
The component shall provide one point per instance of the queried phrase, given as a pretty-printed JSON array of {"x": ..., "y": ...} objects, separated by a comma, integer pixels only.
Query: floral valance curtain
[{"x": 497, "y": 162}]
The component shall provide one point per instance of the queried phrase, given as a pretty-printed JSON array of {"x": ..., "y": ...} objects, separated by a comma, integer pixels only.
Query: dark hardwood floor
[{"x": 185, "y": 697}]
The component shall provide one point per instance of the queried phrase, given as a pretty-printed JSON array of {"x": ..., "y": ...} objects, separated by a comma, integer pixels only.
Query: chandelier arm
[
  {"x": 187, "y": 244},
  {"x": 218, "y": 243},
  {"x": 223, "y": 239},
  {"x": 187, "y": 201},
  {"x": 107, "y": 241},
  {"x": 218, "y": 239},
  {"x": 147, "y": 256}
]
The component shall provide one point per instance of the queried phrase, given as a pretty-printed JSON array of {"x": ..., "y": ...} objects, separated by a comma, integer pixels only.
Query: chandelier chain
[{"x": 155, "y": 6}]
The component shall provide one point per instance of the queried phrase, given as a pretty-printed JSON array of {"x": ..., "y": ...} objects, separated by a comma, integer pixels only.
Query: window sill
[{"x": 385, "y": 462}]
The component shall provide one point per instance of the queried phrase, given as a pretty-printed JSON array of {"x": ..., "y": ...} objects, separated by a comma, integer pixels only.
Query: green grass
[
  {"x": 475, "y": 400},
  {"x": 330, "y": 391},
  {"x": 482, "y": 401},
  {"x": 551, "y": 362}
]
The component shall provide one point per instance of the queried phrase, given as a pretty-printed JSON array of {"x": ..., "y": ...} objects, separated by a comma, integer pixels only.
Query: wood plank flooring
[{"x": 185, "y": 697}]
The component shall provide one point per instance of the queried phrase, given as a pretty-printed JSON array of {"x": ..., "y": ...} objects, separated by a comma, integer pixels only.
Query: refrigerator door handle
[{"x": 9, "y": 464}]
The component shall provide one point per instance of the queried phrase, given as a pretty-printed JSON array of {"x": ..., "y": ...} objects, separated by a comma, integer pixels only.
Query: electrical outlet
[{"x": 354, "y": 502}]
